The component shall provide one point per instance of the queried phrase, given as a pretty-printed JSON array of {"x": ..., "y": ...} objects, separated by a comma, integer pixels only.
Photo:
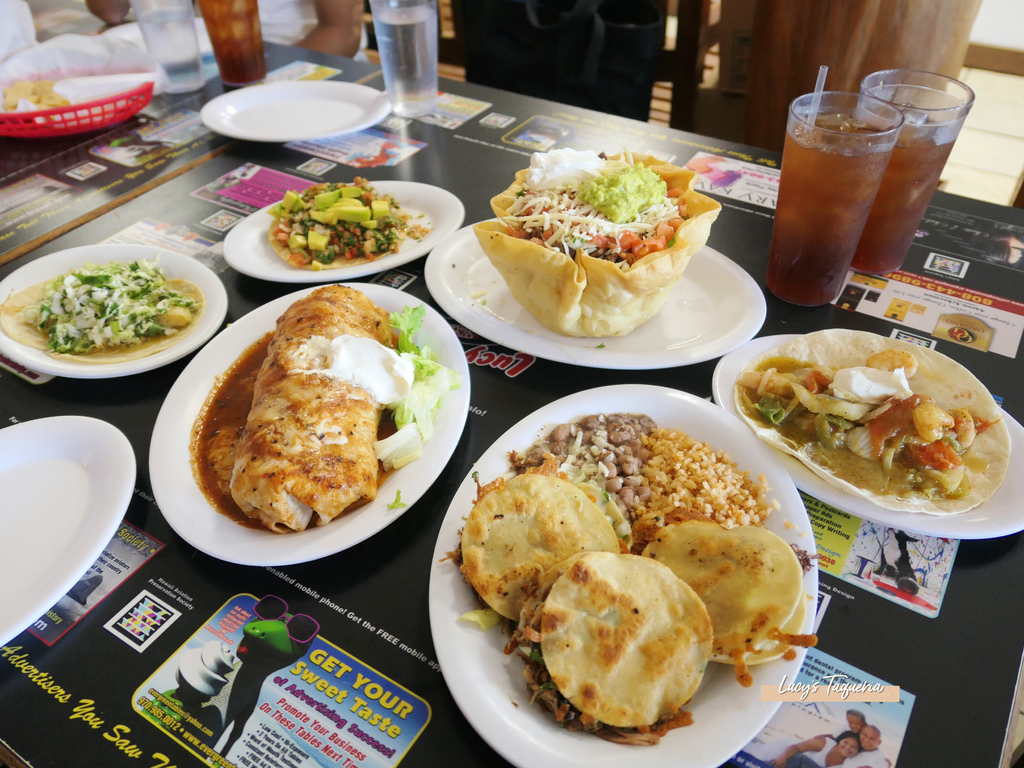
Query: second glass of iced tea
[
  {"x": 832, "y": 165},
  {"x": 236, "y": 38},
  {"x": 934, "y": 108}
]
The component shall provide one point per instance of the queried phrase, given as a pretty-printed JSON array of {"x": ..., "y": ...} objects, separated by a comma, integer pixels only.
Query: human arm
[
  {"x": 110, "y": 11},
  {"x": 338, "y": 29},
  {"x": 815, "y": 744}
]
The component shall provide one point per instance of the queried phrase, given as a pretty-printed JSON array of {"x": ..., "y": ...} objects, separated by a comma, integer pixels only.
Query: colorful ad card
[
  {"x": 945, "y": 310},
  {"x": 736, "y": 179},
  {"x": 364, "y": 149},
  {"x": 250, "y": 188},
  {"x": 129, "y": 549},
  {"x": 257, "y": 686},
  {"x": 909, "y": 569},
  {"x": 850, "y": 733}
]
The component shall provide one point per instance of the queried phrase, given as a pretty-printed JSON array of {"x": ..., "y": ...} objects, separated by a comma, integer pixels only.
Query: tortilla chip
[
  {"x": 940, "y": 377},
  {"x": 586, "y": 296},
  {"x": 20, "y": 325}
]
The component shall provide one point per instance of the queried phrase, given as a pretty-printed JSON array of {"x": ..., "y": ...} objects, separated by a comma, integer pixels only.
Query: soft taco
[
  {"x": 593, "y": 246},
  {"x": 899, "y": 424},
  {"x": 101, "y": 314}
]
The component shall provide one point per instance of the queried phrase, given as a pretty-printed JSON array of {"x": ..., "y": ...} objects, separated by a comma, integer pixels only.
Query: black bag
[{"x": 598, "y": 54}]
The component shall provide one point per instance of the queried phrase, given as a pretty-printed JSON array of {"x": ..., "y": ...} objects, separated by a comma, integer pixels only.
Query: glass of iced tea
[
  {"x": 237, "y": 39},
  {"x": 934, "y": 108},
  {"x": 832, "y": 164}
]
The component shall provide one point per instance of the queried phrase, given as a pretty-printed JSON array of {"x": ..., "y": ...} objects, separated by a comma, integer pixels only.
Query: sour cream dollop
[
  {"x": 367, "y": 364},
  {"x": 563, "y": 168},
  {"x": 870, "y": 385}
]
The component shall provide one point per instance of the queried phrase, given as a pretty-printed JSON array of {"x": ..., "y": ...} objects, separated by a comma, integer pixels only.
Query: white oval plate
[
  {"x": 191, "y": 515},
  {"x": 247, "y": 247},
  {"x": 714, "y": 308},
  {"x": 1001, "y": 515},
  {"x": 173, "y": 264},
  {"x": 488, "y": 685},
  {"x": 295, "y": 111},
  {"x": 95, "y": 466}
]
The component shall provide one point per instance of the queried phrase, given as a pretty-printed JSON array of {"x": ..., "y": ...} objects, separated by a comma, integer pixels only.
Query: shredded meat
[{"x": 806, "y": 559}]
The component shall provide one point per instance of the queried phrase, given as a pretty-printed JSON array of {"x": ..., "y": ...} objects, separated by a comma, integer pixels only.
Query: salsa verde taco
[
  {"x": 899, "y": 424},
  {"x": 98, "y": 314}
]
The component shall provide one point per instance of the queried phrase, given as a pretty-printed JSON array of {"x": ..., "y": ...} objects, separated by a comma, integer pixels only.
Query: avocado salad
[{"x": 332, "y": 225}]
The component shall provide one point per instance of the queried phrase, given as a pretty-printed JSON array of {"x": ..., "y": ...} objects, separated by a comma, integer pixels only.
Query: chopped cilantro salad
[{"x": 113, "y": 305}]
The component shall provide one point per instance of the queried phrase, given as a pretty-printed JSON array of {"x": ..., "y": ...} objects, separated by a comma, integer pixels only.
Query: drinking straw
[{"x": 816, "y": 98}]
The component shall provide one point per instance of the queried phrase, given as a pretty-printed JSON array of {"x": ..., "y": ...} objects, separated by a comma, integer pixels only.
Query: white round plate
[
  {"x": 192, "y": 516},
  {"x": 39, "y": 563},
  {"x": 247, "y": 247},
  {"x": 295, "y": 111},
  {"x": 173, "y": 264},
  {"x": 488, "y": 685},
  {"x": 714, "y": 308},
  {"x": 1001, "y": 515}
]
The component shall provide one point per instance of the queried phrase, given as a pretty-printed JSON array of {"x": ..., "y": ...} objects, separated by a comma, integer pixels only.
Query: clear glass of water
[
  {"x": 169, "y": 30},
  {"x": 407, "y": 34}
]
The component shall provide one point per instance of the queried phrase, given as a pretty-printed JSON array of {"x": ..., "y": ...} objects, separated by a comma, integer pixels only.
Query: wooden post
[{"x": 793, "y": 38}]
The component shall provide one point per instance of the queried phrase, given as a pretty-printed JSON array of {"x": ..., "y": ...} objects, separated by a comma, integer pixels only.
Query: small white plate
[
  {"x": 247, "y": 246},
  {"x": 173, "y": 264},
  {"x": 1001, "y": 515},
  {"x": 66, "y": 482},
  {"x": 191, "y": 515},
  {"x": 488, "y": 685},
  {"x": 295, "y": 111},
  {"x": 714, "y": 308}
]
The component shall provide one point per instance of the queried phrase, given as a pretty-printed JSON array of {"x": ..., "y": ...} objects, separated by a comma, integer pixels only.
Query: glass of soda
[
  {"x": 236, "y": 38},
  {"x": 934, "y": 108},
  {"x": 837, "y": 146}
]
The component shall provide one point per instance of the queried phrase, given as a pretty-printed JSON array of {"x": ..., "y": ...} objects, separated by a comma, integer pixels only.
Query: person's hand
[{"x": 110, "y": 11}]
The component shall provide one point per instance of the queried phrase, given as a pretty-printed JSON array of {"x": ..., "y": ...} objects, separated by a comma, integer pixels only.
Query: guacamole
[{"x": 623, "y": 194}]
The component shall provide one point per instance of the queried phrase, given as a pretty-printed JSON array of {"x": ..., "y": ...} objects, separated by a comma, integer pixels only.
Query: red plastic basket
[{"x": 76, "y": 118}]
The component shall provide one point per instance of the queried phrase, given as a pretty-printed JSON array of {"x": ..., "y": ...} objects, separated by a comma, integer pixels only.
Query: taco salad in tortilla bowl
[{"x": 592, "y": 246}]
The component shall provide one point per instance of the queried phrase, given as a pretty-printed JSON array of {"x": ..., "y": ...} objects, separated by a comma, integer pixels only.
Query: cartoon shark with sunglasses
[
  {"x": 273, "y": 640},
  {"x": 220, "y": 687}
]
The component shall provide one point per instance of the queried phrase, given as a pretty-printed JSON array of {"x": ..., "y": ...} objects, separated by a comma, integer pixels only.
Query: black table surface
[{"x": 965, "y": 659}]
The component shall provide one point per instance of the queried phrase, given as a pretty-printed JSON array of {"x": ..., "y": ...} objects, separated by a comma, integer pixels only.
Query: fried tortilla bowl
[
  {"x": 21, "y": 327},
  {"x": 515, "y": 532},
  {"x": 586, "y": 296},
  {"x": 749, "y": 578},
  {"x": 623, "y": 638},
  {"x": 951, "y": 385}
]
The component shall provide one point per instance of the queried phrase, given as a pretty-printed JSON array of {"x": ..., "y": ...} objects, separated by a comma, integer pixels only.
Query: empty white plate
[{"x": 295, "y": 111}]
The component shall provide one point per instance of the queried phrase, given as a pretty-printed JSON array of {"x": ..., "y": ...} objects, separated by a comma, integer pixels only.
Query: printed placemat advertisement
[
  {"x": 910, "y": 569},
  {"x": 369, "y": 148},
  {"x": 947, "y": 311},
  {"x": 129, "y": 549},
  {"x": 257, "y": 686},
  {"x": 830, "y": 718}
]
